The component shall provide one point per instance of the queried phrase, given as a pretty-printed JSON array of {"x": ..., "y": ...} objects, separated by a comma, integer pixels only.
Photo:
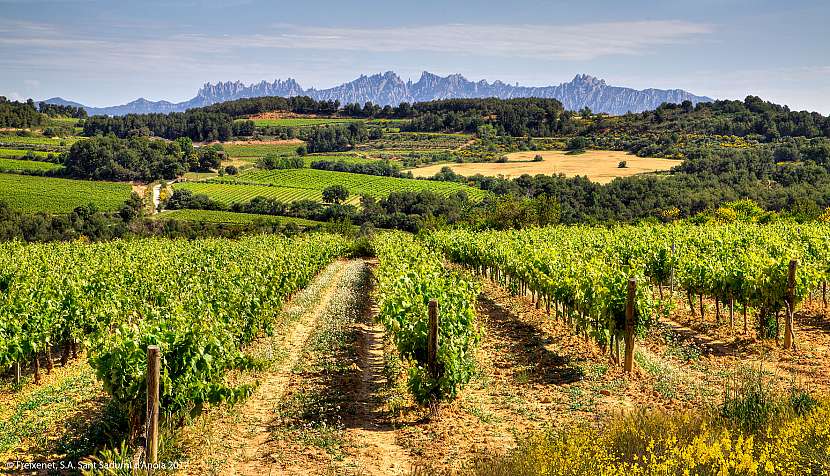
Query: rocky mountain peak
[{"x": 389, "y": 89}]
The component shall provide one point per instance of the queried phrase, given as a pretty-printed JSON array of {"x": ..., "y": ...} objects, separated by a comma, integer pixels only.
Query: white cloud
[{"x": 571, "y": 42}]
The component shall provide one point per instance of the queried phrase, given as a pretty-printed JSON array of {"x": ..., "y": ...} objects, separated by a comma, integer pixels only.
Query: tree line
[
  {"x": 59, "y": 110},
  {"x": 195, "y": 124}
]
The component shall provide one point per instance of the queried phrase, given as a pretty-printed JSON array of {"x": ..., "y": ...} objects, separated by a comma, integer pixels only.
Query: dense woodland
[
  {"x": 196, "y": 124},
  {"x": 336, "y": 137},
  {"x": 138, "y": 158},
  {"x": 19, "y": 114}
]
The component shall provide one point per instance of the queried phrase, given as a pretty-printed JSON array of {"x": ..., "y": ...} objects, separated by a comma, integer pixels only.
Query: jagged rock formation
[{"x": 389, "y": 88}]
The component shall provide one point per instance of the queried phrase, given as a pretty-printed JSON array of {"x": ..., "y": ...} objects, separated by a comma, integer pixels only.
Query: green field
[
  {"x": 214, "y": 216},
  {"x": 357, "y": 184},
  {"x": 14, "y": 165},
  {"x": 244, "y": 151},
  {"x": 19, "y": 153},
  {"x": 233, "y": 193},
  {"x": 56, "y": 195}
]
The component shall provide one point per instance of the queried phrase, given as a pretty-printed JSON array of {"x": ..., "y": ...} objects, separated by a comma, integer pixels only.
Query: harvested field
[{"x": 600, "y": 166}]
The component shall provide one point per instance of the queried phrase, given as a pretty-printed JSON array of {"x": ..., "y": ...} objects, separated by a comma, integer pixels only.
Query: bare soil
[{"x": 600, "y": 166}]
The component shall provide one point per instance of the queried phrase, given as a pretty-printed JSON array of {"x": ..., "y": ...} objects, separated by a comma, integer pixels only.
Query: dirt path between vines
[
  {"x": 261, "y": 410},
  {"x": 374, "y": 437},
  {"x": 232, "y": 441}
]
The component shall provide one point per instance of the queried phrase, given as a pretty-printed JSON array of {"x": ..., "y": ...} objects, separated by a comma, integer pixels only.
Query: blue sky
[{"x": 106, "y": 53}]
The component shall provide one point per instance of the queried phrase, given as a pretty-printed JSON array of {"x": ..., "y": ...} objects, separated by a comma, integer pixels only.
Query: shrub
[
  {"x": 538, "y": 158},
  {"x": 623, "y": 164}
]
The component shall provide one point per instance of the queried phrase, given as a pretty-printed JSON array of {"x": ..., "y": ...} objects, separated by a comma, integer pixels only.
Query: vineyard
[
  {"x": 252, "y": 150},
  {"x": 57, "y": 195},
  {"x": 357, "y": 184},
  {"x": 449, "y": 345},
  {"x": 117, "y": 298},
  {"x": 418, "y": 141},
  {"x": 582, "y": 273},
  {"x": 37, "y": 140},
  {"x": 303, "y": 121}
]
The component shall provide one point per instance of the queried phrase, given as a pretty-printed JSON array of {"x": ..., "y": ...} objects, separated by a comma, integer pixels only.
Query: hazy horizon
[{"x": 100, "y": 54}]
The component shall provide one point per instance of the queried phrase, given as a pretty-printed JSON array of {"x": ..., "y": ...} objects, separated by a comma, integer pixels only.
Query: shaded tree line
[
  {"x": 382, "y": 168},
  {"x": 250, "y": 106},
  {"x": 56, "y": 110}
]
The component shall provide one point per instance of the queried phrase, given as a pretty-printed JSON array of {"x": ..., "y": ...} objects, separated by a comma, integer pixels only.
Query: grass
[
  {"x": 40, "y": 419},
  {"x": 15, "y": 165},
  {"x": 599, "y": 166},
  {"x": 56, "y": 195},
  {"x": 213, "y": 216},
  {"x": 314, "y": 413},
  {"x": 790, "y": 438},
  {"x": 357, "y": 184}
]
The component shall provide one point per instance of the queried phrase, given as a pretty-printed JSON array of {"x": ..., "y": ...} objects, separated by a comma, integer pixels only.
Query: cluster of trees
[
  {"x": 308, "y": 209},
  {"x": 752, "y": 117},
  {"x": 138, "y": 158},
  {"x": 536, "y": 117},
  {"x": 383, "y": 168},
  {"x": 196, "y": 124},
  {"x": 19, "y": 114},
  {"x": 57, "y": 110},
  {"x": 336, "y": 137}
]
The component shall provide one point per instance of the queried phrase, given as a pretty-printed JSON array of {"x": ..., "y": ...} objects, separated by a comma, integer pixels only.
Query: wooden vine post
[
  {"x": 16, "y": 371},
  {"x": 152, "y": 436},
  {"x": 788, "y": 322},
  {"x": 629, "y": 325},
  {"x": 432, "y": 339}
]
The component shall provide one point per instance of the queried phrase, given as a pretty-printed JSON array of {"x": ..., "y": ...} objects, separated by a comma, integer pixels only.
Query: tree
[
  {"x": 335, "y": 194},
  {"x": 578, "y": 143}
]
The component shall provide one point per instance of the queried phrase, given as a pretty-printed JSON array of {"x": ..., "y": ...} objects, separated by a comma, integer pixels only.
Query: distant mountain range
[{"x": 389, "y": 88}]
